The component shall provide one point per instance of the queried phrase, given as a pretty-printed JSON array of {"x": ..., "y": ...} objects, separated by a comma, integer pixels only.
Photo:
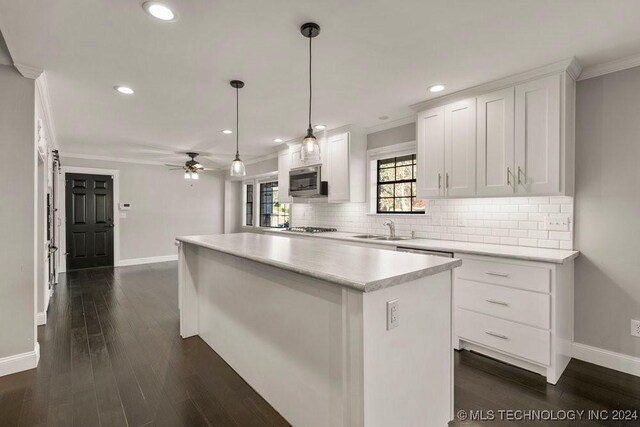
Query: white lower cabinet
[{"x": 520, "y": 312}]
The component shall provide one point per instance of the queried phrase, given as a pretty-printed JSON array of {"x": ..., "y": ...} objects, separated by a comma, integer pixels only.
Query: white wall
[
  {"x": 607, "y": 291},
  {"x": 17, "y": 204},
  {"x": 164, "y": 205}
]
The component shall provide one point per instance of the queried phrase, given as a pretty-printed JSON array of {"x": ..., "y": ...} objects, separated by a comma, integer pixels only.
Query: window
[
  {"x": 248, "y": 205},
  {"x": 396, "y": 186},
  {"x": 272, "y": 213}
]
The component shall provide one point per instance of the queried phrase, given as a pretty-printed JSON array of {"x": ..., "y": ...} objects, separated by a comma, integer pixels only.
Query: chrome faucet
[{"x": 392, "y": 227}]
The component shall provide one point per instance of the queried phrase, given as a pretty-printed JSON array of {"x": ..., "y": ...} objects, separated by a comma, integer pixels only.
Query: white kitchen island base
[{"x": 319, "y": 352}]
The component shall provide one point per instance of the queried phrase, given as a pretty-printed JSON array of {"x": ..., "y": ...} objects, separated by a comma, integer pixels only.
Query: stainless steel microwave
[{"x": 307, "y": 182}]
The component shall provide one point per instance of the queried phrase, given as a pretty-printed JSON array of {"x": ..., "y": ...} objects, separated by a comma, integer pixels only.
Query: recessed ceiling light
[
  {"x": 126, "y": 90},
  {"x": 159, "y": 11},
  {"x": 278, "y": 140},
  {"x": 227, "y": 131},
  {"x": 319, "y": 127},
  {"x": 436, "y": 88}
]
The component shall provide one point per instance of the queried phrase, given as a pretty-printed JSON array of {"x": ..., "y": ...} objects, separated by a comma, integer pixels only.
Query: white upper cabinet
[
  {"x": 338, "y": 165},
  {"x": 284, "y": 161},
  {"x": 537, "y": 136},
  {"x": 430, "y": 153},
  {"x": 495, "y": 144},
  {"x": 344, "y": 161},
  {"x": 460, "y": 148}
]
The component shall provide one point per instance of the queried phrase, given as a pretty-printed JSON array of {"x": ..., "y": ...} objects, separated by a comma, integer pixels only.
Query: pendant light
[
  {"x": 310, "y": 148},
  {"x": 237, "y": 167}
]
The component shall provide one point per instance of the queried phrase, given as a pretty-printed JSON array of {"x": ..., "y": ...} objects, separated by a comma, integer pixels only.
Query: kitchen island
[{"x": 329, "y": 334}]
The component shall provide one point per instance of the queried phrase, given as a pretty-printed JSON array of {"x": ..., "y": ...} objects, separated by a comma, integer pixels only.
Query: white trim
[
  {"x": 63, "y": 213},
  {"x": 42, "y": 87},
  {"x": 571, "y": 66},
  {"x": 610, "y": 67},
  {"x": 608, "y": 359},
  {"x": 391, "y": 124},
  {"x": 41, "y": 318},
  {"x": 20, "y": 362},
  {"x": 28, "y": 71},
  {"x": 148, "y": 260},
  {"x": 110, "y": 159},
  {"x": 394, "y": 150}
]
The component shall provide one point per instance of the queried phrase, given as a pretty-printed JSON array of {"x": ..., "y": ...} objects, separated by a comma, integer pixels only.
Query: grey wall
[
  {"x": 17, "y": 204},
  {"x": 607, "y": 211},
  {"x": 397, "y": 135},
  {"x": 164, "y": 205}
]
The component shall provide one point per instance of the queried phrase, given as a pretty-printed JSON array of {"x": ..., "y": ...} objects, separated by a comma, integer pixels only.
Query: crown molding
[
  {"x": 28, "y": 71},
  {"x": 570, "y": 66},
  {"x": 391, "y": 124},
  {"x": 64, "y": 155},
  {"x": 43, "y": 90},
  {"x": 610, "y": 67}
]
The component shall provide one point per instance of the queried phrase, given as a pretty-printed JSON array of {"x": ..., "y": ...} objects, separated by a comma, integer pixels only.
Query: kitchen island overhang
[{"x": 305, "y": 324}]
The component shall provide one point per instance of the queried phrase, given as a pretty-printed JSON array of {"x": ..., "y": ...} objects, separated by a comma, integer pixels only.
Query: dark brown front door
[{"x": 89, "y": 206}]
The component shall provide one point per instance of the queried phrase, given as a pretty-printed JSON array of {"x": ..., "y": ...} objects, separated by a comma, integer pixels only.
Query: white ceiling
[{"x": 372, "y": 58}]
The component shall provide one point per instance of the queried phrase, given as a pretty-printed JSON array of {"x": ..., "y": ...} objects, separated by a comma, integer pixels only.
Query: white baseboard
[
  {"x": 20, "y": 362},
  {"x": 41, "y": 318},
  {"x": 608, "y": 359},
  {"x": 149, "y": 260}
]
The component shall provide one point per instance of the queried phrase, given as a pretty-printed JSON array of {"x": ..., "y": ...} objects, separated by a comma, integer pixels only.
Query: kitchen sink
[{"x": 378, "y": 237}]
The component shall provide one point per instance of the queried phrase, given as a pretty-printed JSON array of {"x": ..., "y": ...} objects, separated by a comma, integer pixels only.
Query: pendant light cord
[
  {"x": 237, "y": 121},
  {"x": 310, "y": 87}
]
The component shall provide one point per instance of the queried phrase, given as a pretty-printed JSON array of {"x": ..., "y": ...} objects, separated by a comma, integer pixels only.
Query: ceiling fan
[{"x": 191, "y": 167}]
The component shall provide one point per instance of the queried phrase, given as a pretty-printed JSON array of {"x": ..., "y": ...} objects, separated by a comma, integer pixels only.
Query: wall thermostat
[{"x": 125, "y": 206}]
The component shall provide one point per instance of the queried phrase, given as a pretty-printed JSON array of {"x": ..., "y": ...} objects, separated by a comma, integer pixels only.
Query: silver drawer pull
[
  {"x": 493, "y": 273},
  {"x": 493, "y": 334},
  {"x": 493, "y": 301}
]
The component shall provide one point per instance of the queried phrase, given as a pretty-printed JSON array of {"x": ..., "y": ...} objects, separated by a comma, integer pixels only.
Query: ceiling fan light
[
  {"x": 187, "y": 175},
  {"x": 194, "y": 175},
  {"x": 237, "y": 167}
]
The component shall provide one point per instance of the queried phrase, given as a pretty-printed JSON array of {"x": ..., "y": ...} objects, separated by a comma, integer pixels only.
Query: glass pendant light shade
[
  {"x": 194, "y": 175},
  {"x": 187, "y": 175},
  {"x": 310, "y": 148},
  {"x": 237, "y": 167}
]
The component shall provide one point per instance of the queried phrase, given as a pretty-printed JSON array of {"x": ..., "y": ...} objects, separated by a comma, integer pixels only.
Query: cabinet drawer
[
  {"x": 507, "y": 303},
  {"x": 518, "y": 276},
  {"x": 519, "y": 340}
]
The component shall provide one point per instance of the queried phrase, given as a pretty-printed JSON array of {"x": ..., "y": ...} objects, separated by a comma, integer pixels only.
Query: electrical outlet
[
  {"x": 635, "y": 328},
  {"x": 392, "y": 314},
  {"x": 556, "y": 223}
]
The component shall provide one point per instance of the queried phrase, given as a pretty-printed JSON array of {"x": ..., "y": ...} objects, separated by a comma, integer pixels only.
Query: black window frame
[
  {"x": 248, "y": 204},
  {"x": 379, "y": 183},
  {"x": 270, "y": 200}
]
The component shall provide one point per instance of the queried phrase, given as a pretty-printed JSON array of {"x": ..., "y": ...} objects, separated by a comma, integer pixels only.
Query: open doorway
[{"x": 89, "y": 206}]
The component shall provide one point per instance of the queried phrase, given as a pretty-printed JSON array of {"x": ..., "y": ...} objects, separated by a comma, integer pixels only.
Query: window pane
[
  {"x": 385, "y": 205},
  {"x": 249, "y": 206},
  {"x": 387, "y": 163},
  {"x": 405, "y": 160},
  {"x": 404, "y": 172},
  {"x": 385, "y": 190},
  {"x": 272, "y": 213},
  {"x": 403, "y": 190},
  {"x": 419, "y": 205},
  {"x": 385, "y": 175},
  {"x": 402, "y": 204}
]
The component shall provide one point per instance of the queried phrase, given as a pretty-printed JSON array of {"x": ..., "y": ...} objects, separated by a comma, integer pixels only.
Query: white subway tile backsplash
[{"x": 508, "y": 221}]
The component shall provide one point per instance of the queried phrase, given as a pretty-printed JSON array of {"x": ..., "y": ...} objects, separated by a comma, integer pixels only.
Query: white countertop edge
[
  {"x": 357, "y": 285},
  {"x": 554, "y": 256}
]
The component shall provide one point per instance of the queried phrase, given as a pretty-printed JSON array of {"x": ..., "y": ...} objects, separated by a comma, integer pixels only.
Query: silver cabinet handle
[
  {"x": 494, "y": 273},
  {"x": 493, "y": 301},
  {"x": 508, "y": 176},
  {"x": 439, "y": 180},
  {"x": 519, "y": 173},
  {"x": 493, "y": 334},
  {"x": 446, "y": 180}
]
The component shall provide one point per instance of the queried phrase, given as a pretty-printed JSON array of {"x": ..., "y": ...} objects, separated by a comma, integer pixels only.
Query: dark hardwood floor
[{"x": 111, "y": 355}]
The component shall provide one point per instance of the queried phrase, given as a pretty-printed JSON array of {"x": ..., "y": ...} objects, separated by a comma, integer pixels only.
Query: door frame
[{"x": 63, "y": 213}]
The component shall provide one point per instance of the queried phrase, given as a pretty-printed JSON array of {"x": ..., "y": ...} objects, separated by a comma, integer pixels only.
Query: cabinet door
[
  {"x": 537, "y": 136},
  {"x": 337, "y": 161},
  {"x": 430, "y": 153},
  {"x": 460, "y": 148},
  {"x": 495, "y": 143},
  {"x": 284, "y": 160}
]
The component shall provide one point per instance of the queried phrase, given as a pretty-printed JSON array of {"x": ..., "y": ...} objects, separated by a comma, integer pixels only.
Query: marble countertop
[
  {"x": 555, "y": 256},
  {"x": 361, "y": 268}
]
